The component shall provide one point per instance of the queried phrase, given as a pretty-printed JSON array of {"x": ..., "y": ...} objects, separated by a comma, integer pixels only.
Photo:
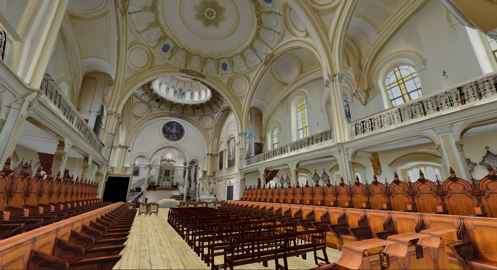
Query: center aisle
[{"x": 153, "y": 244}]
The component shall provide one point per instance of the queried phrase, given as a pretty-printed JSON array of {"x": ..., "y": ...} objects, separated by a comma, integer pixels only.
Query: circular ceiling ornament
[
  {"x": 173, "y": 131},
  {"x": 213, "y": 37}
]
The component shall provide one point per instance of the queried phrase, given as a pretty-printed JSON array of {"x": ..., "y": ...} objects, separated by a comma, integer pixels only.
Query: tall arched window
[
  {"x": 187, "y": 95},
  {"x": 493, "y": 45},
  {"x": 403, "y": 85},
  {"x": 276, "y": 138},
  {"x": 171, "y": 92},
  {"x": 302, "y": 179},
  {"x": 202, "y": 94},
  {"x": 302, "y": 119},
  {"x": 180, "y": 94}
]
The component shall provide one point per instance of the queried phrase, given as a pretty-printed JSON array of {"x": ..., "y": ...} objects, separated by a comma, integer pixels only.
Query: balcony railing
[
  {"x": 292, "y": 147},
  {"x": 54, "y": 94},
  {"x": 461, "y": 96}
]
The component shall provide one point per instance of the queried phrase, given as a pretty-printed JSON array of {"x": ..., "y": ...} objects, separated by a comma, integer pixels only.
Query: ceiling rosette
[{"x": 213, "y": 37}]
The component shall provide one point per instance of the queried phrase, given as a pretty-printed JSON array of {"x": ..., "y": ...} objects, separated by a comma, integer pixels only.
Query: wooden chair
[{"x": 143, "y": 209}]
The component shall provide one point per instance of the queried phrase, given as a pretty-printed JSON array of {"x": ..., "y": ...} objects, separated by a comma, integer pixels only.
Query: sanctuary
[{"x": 289, "y": 134}]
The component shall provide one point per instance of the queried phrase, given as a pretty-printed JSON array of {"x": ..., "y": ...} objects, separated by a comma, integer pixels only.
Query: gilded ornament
[{"x": 210, "y": 13}]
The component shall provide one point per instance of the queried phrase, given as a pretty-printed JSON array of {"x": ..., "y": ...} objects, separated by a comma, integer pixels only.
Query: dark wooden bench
[{"x": 275, "y": 247}]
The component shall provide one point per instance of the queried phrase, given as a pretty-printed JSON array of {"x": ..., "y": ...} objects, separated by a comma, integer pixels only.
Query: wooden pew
[{"x": 278, "y": 246}]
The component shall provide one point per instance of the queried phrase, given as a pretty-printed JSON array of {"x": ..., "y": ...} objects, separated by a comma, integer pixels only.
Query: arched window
[
  {"x": 202, "y": 94},
  {"x": 171, "y": 92},
  {"x": 302, "y": 119},
  {"x": 180, "y": 94},
  {"x": 358, "y": 175},
  {"x": 195, "y": 95},
  {"x": 302, "y": 179},
  {"x": 493, "y": 45},
  {"x": 403, "y": 85},
  {"x": 276, "y": 138},
  {"x": 187, "y": 95}
]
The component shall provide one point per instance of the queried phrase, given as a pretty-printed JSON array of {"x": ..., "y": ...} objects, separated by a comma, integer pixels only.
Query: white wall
[
  {"x": 439, "y": 43},
  {"x": 317, "y": 119}
]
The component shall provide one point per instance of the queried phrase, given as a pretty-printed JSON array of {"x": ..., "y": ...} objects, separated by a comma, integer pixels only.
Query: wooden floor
[{"x": 153, "y": 244}]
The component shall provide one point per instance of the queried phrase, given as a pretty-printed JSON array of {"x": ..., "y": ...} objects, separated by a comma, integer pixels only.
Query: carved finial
[
  {"x": 341, "y": 180},
  {"x": 452, "y": 174},
  {"x": 386, "y": 183},
  {"x": 474, "y": 184},
  {"x": 438, "y": 183},
  {"x": 490, "y": 170},
  {"x": 396, "y": 178},
  {"x": 421, "y": 174},
  {"x": 49, "y": 173}
]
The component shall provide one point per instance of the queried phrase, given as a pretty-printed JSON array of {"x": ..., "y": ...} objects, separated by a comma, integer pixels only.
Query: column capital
[
  {"x": 338, "y": 77},
  {"x": 459, "y": 145}
]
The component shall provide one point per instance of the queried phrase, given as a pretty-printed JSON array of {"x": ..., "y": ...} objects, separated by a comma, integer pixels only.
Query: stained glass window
[
  {"x": 276, "y": 138},
  {"x": 403, "y": 85},
  {"x": 3, "y": 39},
  {"x": 493, "y": 45},
  {"x": 347, "y": 109},
  {"x": 302, "y": 119}
]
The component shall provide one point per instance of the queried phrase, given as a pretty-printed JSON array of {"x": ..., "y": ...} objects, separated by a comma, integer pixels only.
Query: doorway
[
  {"x": 229, "y": 193},
  {"x": 116, "y": 189}
]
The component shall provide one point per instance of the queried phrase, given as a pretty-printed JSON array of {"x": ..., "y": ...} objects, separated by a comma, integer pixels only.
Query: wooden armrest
[
  {"x": 339, "y": 229},
  {"x": 320, "y": 225},
  {"x": 383, "y": 234},
  {"x": 360, "y": 233},
  {"x": 463, "y": 251}
]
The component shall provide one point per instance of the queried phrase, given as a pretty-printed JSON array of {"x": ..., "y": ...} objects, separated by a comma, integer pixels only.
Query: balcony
[
  {"x": 463, "y": 96},
  {"x": 53, "y": 94},
  {"x": 309, "y": 143}
]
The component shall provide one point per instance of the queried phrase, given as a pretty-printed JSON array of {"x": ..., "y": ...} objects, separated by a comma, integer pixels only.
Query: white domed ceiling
[
  {"x": 209, "y": 36},
  {"x": 179, "y": 94}
]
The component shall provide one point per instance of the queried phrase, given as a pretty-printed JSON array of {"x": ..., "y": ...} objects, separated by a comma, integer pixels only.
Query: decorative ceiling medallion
[
  {"x": 173, "y": 131},
  {"x": 210, "y": 36},
  {"x": 210, "y": 13}
]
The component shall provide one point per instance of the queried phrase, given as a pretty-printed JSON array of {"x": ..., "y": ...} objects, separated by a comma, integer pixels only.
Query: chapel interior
[{"x": 248, "y": 134}]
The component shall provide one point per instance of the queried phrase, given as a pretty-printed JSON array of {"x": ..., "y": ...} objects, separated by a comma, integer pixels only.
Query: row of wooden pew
[
  {"x": 392, "y": 250},
  {"x": 96, "y": 246},
  {"x": 29, "y": 201},
  {"x": 454, "y": 196},
  {"x": 470, "y": 244},
  {"x": 243, "y": 239}
]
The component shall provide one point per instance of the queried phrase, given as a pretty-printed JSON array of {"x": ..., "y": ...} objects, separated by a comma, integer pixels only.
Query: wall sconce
[{"x": 444, "y": 75}]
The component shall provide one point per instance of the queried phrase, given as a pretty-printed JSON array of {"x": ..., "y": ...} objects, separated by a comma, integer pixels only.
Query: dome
[
  {"x": 181, "y": 94},
  {"x": 182, "y": 90}
]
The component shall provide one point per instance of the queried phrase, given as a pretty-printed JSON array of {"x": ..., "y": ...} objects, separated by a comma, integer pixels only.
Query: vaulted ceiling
[{"x": 250, "y": 51}]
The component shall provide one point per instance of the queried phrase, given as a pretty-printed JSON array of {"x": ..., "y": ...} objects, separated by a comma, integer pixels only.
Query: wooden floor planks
[{"x": 153, "y": 244}]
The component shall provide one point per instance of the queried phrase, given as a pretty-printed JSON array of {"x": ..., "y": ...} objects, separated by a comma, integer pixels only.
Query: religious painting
[
  {"x": 231, "y": 152},
  {"x": 471, "y": 165},
  {"x": 221, "y": 160},
  {"x": 173, "y": 131},
  {"x": 489, "y": 159},
  {"x": 347, "y": 109},
  {"x": 136, "y": 170}
]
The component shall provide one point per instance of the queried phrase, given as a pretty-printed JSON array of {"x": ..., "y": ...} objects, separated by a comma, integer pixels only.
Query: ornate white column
[
  {"x": 61, "y": 156},
  {"x": 145, "y": 185},
  {"x": 86, "y": 166},
  {"x": 38, "y": 28},
  {"x": 341, "y": 131},
  {"x": 185, "y": 186}
]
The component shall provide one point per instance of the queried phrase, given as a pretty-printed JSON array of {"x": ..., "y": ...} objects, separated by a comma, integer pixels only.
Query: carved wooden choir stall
[
  {"x": 396, "y": 211},
  {"x": 84, "y": 232}
]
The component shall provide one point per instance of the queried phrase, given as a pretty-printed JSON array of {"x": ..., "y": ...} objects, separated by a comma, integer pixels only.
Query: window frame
[
  {"x": 400, "y": 82},
  {"x": 275, "y": 137},
  {"x": 302, "y": 123}
]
